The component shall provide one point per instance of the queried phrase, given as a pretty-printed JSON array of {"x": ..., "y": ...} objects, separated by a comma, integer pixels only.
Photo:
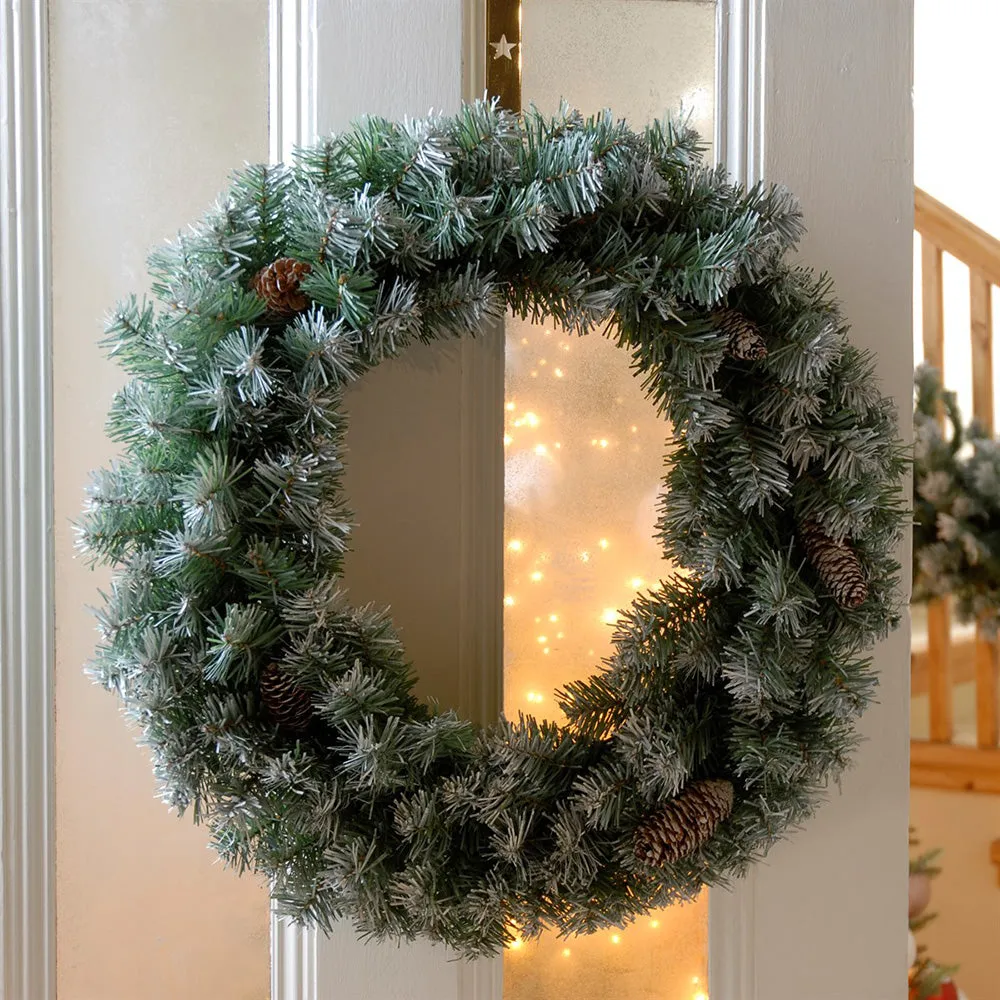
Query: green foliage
[
  {"x": 226, "y": 524},
  {"x": 956, "y": 506}
]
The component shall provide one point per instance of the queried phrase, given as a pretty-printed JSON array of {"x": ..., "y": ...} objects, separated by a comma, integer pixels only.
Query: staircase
[{"x": 955, "y": 668}]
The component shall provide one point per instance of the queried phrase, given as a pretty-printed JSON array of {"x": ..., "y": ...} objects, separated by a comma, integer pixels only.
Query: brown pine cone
[
  {"x": 837, "y": 564},
  {"x": 278, "y": 285},
  {"x": 685, "y": 823},
  {"x": 284, "y": 701},
  {"x": 745, "y": 341}
]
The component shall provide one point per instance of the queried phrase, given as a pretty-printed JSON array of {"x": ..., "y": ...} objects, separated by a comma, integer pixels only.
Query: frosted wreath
[{"x": 284, "y": 717}]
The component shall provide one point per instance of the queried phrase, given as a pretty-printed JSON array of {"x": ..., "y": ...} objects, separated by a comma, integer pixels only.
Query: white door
[{"x": 814, "y": 95}]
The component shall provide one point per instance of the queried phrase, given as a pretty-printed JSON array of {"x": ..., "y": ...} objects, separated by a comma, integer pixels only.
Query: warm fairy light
[
  {"x": 585, "y": 556},
  {"x": 543, "y": 639},
  {"x": 524, "y": 340},
  {"x": 560, "y": 635},
  {"x": 507, "y": 440},
  {"x": 558, "y": 445},
  {"x": 540, "y": 449},
  {"x": 511, "y": 406},
  {"x": 566, "y": 953},
  {"x": 546, "y": 650},
  {"x": 553, "y": 618},
  {"x": 528, "y": 420},
  {"x": 695, "y": 980},
  {"x": 542, "y": 361},
  {"x": 515, "y": 545},
  {"x": 634, "y": 429},
  {"x": 534, "y": 697},
  {"x": 558, "y": 373},
  {"x": 603, "y": 543},
  {"x": 515, "y": 944},
  {"x": 636, "y": 582},
  {"x": 609, "y": 616},
  {"x": 536, "y": 576},
  {"x": 603, "y": 442},
  {"x": 700, "y": 995},
  {"x": 616, "y": 939},
  {"x": 508, "y": 601},
  {"x": 533, "y": 374},
  {"x": 654, "y": 924}
]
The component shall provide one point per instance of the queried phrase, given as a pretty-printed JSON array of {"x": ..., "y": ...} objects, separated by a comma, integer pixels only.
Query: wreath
[{"x": 284, "y": 717}]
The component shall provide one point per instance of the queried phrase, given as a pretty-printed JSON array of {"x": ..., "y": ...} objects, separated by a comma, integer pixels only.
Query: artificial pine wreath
[{"x": 284, "y": 717}]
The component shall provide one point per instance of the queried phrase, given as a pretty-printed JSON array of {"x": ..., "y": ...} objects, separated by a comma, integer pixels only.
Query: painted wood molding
[
  {"x": 739, "y": 144},
  {"x": 27, "y": 905}
]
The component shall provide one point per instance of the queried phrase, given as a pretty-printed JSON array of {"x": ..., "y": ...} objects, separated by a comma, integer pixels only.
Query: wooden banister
[
  {"x": 950, "y": 232},
  {"x": 961, "y": 769}
]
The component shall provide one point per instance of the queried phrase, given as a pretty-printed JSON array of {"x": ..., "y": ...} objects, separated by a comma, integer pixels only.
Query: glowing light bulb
[
  {"x": 558, "y": 445},
  {"x": 616, "y": 939},
  {"x": 603, "y": 442},
  {"x": 654, "y": 924},
  {"x": 531, "y": 419},
  {"x": 515, "y": 944},
  {"x": 536, "y": 576},
  {"x": 584, "y": 556},
  {"x": 546, "y": 650},
  {"x": 515, "y": 545},
  {"x": 509, "y": 601},
  {"x": 542, "y": 361},
  {"x": 553, "y": 618},
  {"x": 566, "y": 953},
  {"x": 633, "y": 428},
  {"x": 558, "y": 373},
  {"x": 609, "y": 616},
  {"x": 533, "y": 374},
  {"x": 603, "y": 543},
  {"x": 540, "y": 449},
  {"x": 507, "y": 440},
  {"x": 543, "y": 638},
  {"x": 512, "y": 406},
  {"x": 635, "y": 582},
  {"x": 700, "y": 995},
  {"x": 560, "y": 635},
  {"x": 534, "y": 696},
  {"x": 524, "y": 340}
]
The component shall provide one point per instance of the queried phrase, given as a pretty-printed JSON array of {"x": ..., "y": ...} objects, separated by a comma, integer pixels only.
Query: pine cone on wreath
[
  {"x": 745, "y": 340},
  {"x": 685, "y": 823},
  {"x": 837, "y": 564},
  {"x": 284, "y": 701},
  {"x": 278, "y": 285}
]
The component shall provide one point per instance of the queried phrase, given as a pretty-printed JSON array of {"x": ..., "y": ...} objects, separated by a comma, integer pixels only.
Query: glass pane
[{"x": 584, "y": 456}]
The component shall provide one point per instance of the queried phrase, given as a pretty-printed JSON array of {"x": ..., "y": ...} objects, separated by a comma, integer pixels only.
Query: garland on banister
[
  {"x": 284, "y": 717},
  {"x": 956, "y": 505}
]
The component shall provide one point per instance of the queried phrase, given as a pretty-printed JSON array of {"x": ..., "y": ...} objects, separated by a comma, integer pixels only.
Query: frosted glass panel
[{"x": 584, "y": 455}]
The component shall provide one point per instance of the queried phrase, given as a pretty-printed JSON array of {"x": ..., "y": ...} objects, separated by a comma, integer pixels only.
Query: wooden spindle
[
  {"x": 939, "y": 683},
  {"x": 981, "y": 328}
]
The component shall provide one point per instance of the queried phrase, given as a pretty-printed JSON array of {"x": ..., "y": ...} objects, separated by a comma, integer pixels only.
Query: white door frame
[
  {"x": 27, "y": 863},
  {"x": 787, "y": 930}
]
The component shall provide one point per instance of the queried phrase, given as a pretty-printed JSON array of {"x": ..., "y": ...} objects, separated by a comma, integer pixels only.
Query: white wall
[
  {"x": 957, "y": 160},
  {"x": 965, "y": 895},
  {"x": 956, "y": 149},
  {"x": 153, "y": 103}
]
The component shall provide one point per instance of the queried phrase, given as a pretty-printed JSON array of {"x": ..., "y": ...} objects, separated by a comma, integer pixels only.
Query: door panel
[{"x": 149, "y": 116}]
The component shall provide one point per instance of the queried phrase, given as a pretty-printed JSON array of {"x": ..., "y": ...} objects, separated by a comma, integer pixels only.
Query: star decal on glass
[{"x": 503, "y": 48}]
